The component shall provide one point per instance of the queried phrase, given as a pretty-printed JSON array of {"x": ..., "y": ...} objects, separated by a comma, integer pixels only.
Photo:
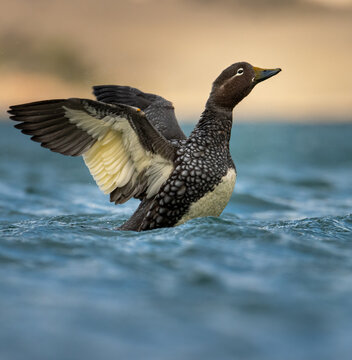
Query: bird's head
[{"x": 236, "y": 82}]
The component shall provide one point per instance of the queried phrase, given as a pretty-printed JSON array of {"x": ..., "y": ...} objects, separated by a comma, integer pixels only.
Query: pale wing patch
[
  {"x": 117, "y": 157},
  {"x": 141, "y": 158},
  {"x": 108, "y": 162},
  {"x": 92, "y": 126},
  {"x": 157, "y": 168}
]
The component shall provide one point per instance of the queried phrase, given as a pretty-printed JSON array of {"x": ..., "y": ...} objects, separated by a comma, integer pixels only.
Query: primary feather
[{"x": 125, "y": 154}]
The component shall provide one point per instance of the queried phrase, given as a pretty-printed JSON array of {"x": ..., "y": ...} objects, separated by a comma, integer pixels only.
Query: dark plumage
[
  {"x": 159, "y": 111},
  {"x": 134, "y": 147}
]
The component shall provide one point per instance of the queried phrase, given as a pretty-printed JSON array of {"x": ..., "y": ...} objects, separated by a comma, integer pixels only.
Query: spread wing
[
  {"x": 124, "y": 152},
  {"x": 159, "y": 111}
]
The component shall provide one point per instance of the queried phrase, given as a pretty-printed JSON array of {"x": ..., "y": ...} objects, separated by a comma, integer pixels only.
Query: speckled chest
[{"x": 199, "y": 167}]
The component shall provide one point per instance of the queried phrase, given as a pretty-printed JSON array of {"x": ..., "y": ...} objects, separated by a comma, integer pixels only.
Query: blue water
[{"x": 270, "y": 279}]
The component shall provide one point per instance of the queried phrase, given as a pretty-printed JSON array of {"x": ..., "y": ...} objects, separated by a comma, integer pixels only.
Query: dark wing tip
[
  {"x": 99, "y": 87},
  {"x": 18, "y": 126},
  {"x": 98, "y": 90},
  {"x": 37, "y": 106},
  {"x": 120, "y": 94}
]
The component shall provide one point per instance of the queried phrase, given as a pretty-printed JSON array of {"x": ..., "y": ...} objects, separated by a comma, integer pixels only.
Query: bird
[{"x": 134, "y": 147}]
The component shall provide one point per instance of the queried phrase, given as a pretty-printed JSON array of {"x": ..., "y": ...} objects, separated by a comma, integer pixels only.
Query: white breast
[{"x": 213, "y": 202}]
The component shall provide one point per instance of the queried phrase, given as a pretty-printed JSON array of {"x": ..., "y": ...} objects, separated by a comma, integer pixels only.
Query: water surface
[{"x": 270, "y": 279}]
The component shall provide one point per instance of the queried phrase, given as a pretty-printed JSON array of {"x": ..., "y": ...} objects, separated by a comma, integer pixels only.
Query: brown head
[{"x": 236, "y": 82}]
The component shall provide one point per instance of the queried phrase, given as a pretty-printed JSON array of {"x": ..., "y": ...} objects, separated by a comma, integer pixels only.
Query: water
[{"x": 270, "y": 279}]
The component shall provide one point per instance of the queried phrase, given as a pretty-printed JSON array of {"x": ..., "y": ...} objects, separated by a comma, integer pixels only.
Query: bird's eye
[{"x": 240, "y": 71}]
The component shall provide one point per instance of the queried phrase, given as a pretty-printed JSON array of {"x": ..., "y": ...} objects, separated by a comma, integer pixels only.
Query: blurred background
[
  {"x": 270, "y": 279},
  {"x": 176, "y": 48}
]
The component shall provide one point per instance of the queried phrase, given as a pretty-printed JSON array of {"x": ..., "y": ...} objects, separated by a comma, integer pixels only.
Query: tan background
[{"x": 53, "y": 49}]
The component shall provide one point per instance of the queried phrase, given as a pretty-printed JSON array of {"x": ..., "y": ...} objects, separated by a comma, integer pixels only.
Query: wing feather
[
  {"x": 159, "y": 111},
  {"x": 123, "y": 151}
]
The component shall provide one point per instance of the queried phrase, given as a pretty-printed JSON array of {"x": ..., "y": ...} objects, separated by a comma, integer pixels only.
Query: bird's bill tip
[{"x": 263, "y": 74}]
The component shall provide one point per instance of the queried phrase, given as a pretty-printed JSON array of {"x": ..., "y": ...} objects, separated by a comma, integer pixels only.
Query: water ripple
[{"x": 269, "y": 279}]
